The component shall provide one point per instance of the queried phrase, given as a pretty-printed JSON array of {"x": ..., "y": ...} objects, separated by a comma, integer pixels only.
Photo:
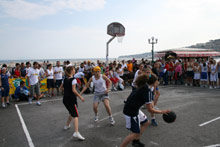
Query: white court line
[
  {"x": 216, "y": 145},
  {"x": 57, "y": 99},
  {"x": 205, "y": 123},
  {"x": 108, "y": 116},
  {"x": 30, "y": 142}
]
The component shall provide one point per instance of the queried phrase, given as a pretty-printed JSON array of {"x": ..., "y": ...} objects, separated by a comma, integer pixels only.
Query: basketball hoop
[{"x": 119, "y": 38}]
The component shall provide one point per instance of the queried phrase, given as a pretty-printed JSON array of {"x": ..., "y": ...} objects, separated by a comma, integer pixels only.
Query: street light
[{"x": 152, "y": 41}]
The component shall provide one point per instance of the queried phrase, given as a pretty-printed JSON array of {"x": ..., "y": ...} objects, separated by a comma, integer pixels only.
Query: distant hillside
[{"x": 212, "y": 44}]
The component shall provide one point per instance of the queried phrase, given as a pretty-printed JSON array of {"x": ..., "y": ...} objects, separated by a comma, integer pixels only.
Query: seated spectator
[
  {"x": 21, "y": 92},
  {"x": 80, "y": 79}
]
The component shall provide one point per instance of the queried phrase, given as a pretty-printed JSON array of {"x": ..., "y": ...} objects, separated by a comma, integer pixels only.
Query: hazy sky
[{"x": 39, "y": 29}]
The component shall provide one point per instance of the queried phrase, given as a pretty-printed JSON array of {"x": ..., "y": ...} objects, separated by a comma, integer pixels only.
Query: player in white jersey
[{"x": 101, "y": 92}]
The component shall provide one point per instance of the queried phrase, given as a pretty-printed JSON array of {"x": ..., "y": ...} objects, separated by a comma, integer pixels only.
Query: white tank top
[
  {"x": 213, "y": 68},
  {"x": 196, "y": 69},
  {"x": 204, "y": 68},
  {"x": 100, "y": 84},
  {"x": 50, "y": 74},
  {"x": 135, "y": 77}
]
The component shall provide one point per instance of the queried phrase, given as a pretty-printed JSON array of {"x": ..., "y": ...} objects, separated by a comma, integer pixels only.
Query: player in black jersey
[
  {"x": 136, "y": 120},
  {"x": 70, "y": 100}
]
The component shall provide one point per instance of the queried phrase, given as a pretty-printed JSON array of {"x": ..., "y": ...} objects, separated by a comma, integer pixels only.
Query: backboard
[{"x": 116, "y": 29}]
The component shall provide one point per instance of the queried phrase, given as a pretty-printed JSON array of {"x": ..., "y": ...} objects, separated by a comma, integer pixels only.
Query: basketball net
[{"x": 119, "y": 38}]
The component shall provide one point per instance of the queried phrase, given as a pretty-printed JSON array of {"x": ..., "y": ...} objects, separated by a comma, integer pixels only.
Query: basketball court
[{"x": 197, "y": 124}]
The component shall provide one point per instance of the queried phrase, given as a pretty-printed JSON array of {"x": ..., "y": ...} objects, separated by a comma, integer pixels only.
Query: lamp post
[{"x": 152, "y": 41}]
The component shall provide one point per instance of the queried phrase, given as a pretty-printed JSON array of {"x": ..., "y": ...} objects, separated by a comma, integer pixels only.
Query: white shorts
[
  {"x": 214, "y": 77},
  {"x": 196, "y": 76},
  {"x": 133, "y": 123}
]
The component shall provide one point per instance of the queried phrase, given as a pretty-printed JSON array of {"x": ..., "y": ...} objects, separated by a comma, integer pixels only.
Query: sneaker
[
  {"x": 78, "y": 135},
  {"x": 115, "y": 89},
  {"x": 8, "y": 103},
  {"x": 210, "y": 87},
  {"x": 153, "y": 122},
  {"x": 137, "y": 143},
  {"x": 3, "y": 105},
  {"x": 66, "y": 127},
  {"x": 112, "y": 121},
  {"x": 186, "y": 85},
  {"x": 215, "y": 87},
  {"x": 38, "y": 103},
  {"x": 191, "y": 84},
  {"x": 30, "y": 100},
  {"x": 96, "y": 118}
]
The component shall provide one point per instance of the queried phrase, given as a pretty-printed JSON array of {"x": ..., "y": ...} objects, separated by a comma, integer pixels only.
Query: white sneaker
[
  {"x": 38, "y": 103},
  {"x": 30, "y": 100},
  {"x": 186, "y": 85},
  {"x": 115, "y": 89},
  {"x": 3, "y": 105},
  {"x": 66, "y": 127},
  {"x": 215, "y": 87},
  {"x": 191, "y": 84},
  {"x": 96, "y": 118},
  {"x": 210, "y": 87},
  {"x": 112, "y": 121},
  {"x": 78, "y": 135}
]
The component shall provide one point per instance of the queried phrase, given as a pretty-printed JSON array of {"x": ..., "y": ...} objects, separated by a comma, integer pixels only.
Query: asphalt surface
[{"x": 45, "y": 123}]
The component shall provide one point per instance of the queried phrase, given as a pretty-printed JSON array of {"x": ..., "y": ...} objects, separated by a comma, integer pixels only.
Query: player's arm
[
  {"x": 152, "y": 110},
  {"x": 86, "y": 86},
  {"x": 109, "y": 82},
  {"x": 76, "y": 93}
]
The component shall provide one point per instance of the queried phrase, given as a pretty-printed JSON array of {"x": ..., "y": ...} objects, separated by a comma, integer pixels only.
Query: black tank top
[{"x": 68, "y": 92}]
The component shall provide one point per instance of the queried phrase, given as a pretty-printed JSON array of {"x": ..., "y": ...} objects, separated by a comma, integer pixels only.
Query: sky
[{"x": 62, "y": 29}]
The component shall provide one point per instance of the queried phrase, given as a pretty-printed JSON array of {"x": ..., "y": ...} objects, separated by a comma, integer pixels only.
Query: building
[{"x": 189, "y": 53}]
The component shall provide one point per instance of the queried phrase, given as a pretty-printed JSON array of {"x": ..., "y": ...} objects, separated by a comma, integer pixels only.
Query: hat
[{"x": 97, "y": 68}]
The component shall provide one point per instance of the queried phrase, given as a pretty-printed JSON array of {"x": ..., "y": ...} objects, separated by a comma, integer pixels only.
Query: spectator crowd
[{"x": 200, "y": 72}]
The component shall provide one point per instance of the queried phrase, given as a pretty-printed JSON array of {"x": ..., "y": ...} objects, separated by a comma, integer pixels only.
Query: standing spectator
[
  {"x": 218, "y": 71},
  {"x": 81, "y": 67},
  {"x": 178, "y": 73},
  {"x": 171, "y": 71},
  {"x": 58, "y": 72},
  {"x": 28, "y": 67},
  {"x": 130, "y": 71},
  {"x": 23, "y": 70},
  {"x": 204, "y": 74},
  {"x": 197, "y": 71},
  {"x": 33, "y": 83},
  {"x": 5, "y": 87},
  {"x": 50, "y": 80},
  {"x": 213, "y": 75},
  {"x": 16, "y": 73},
  {"x": 189, "y": 72}
]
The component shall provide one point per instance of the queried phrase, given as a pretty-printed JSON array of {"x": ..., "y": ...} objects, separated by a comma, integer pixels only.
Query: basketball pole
[{"x": 107, "y": 50}]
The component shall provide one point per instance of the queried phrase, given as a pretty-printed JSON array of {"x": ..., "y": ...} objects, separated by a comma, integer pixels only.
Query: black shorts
[
  {"x": 190, "y": 74},
  {"x": 58, "y": 83},
  {"x": 72, "y": 108},
  {"x": 50, "y": 83},
  {"x": 219, "y": 76}
]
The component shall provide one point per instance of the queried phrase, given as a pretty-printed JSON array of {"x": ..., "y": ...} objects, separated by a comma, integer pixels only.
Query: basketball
[{"x": 169, "y": 117}]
